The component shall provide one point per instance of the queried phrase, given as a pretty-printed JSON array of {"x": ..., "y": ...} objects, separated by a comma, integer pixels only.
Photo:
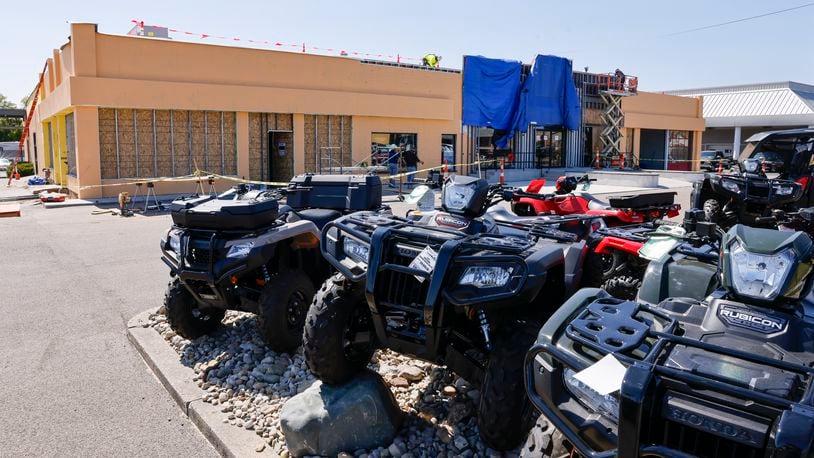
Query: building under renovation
[{"x": 116, "y": 109}]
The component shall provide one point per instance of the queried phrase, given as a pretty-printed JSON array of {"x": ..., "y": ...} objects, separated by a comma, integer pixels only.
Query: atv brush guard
[{"x": 670, "y": 402}]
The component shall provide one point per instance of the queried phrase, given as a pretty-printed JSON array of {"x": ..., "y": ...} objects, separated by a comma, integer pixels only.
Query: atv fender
[
  {"x": 574, "y": 258},
  {"x": 287, "y": 231},
  {"x": 678, "y": 276},
  {"x": 546, "y": 256}
]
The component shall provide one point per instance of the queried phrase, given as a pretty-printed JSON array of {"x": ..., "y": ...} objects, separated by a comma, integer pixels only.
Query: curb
[
  {"x": 228, "y": 440},
  {"x": 18, "y": 198}
]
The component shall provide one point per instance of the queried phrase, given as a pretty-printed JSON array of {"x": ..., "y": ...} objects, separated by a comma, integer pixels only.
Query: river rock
[{"x": 326, "y": 419}]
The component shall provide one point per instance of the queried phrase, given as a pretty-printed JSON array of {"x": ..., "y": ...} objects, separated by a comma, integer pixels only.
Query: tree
[
  {"x": 24, "y": 101},
  {"x": 6, "y": 103},
  {"x": 10, "y": 128}
]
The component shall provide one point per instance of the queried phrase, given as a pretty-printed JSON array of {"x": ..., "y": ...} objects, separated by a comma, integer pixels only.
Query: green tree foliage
[{"x": 10, "y": 128}]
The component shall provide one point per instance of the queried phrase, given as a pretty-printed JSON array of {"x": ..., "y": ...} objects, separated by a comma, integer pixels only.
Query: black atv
[
  {"x": 245, "y": 251},
  {"x": 729, "y": 374},
  {"x": 468, "y": 287},
  {"x": 742, "y": 196}
]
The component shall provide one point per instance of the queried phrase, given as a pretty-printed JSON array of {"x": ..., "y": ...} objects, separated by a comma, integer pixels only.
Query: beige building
[{"x": 117, "y": 109}]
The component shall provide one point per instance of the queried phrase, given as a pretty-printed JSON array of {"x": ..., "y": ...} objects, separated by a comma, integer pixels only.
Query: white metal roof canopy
[{"x": 769, "y": 104}]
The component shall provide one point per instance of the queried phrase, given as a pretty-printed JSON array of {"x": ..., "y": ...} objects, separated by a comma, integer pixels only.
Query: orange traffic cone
[
  {"x": 720, "y": 168},
  {"x": 446, "y": 169},
  {"x": 597, "y": 164},
  {"x": 502, "y": 174}
]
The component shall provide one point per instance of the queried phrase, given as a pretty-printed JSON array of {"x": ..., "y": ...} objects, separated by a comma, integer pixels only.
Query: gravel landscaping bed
[{"x": 239, "y": 373}]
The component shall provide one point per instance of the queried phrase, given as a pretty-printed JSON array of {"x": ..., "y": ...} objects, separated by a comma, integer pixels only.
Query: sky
[{"x": 634, "y": 35}]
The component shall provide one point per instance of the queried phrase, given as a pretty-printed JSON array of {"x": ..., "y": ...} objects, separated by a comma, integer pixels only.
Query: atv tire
[
  {"x": 283, "y": 306},
  {"x": 623, "y": 287},
  {"x": 593, "y": 269},
  {"x": 712, "y": 210},
  {"x": 505, "y": 413},
  {"x": 184, "y": 315},
  {"x": 337, "y": 316}
]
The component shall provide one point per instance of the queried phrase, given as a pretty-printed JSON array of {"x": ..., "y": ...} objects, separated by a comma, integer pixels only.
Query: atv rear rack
[{"x": 639, "y": 404}]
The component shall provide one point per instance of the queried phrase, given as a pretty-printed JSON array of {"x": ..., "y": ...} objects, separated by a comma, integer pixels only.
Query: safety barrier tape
[
  {"x": 202, "y": 175},
  {"x": 302, "y": 46}
]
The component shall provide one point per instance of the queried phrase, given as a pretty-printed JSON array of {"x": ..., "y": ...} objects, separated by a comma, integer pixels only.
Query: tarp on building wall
[
  {"x": 548, "y": 98},
  {"x": 490, "y": 91}
]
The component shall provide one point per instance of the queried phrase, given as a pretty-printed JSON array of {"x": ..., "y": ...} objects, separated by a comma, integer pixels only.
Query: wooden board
[{"x": 9, "y": 210}]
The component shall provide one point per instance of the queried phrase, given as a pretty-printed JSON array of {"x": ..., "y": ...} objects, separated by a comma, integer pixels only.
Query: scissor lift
[{"x": 612, "y": 88}]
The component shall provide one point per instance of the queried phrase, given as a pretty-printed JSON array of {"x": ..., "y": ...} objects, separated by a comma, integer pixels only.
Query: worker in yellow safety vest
[{"x": 431, "y": 60}]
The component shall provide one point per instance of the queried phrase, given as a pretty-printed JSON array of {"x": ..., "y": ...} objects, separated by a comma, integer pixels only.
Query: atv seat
[
  {"x": 594, "y": 203},
  {"x": 319, "y": 216},
  {"x": 503, "y": 215}
]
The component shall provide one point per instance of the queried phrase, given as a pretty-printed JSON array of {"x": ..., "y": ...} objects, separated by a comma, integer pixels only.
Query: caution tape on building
[{"x": 202, "y": 175}]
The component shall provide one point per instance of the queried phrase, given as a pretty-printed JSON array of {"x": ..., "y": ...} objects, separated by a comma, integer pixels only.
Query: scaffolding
[{"x": 613, "y": 88}]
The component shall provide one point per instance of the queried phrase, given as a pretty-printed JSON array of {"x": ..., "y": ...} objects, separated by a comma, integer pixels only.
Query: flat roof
[{"x": 12, "y": 113}]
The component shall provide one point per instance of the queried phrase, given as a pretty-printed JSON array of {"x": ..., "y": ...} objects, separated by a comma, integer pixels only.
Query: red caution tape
[{"x": 301, "y": 46}]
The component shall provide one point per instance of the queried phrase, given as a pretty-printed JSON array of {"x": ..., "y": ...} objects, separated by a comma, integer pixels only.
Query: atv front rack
[
  {"x": 650, "y": 385},
  {"x": 362, "y": 227}
]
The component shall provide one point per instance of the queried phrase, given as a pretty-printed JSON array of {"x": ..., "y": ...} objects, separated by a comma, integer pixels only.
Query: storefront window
[
  {"x": 679, "y": 150},
  {"x": 382, "y": 143},
  {"x": 448, "y": 151}
]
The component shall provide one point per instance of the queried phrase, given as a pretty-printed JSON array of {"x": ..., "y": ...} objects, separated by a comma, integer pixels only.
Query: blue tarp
[
  {"x": 490, "y": 91},
  {"x": 548, "y": 98},
  {"x": 36, "y": 181}
]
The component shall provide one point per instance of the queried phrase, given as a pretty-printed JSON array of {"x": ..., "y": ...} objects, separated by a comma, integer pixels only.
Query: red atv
[
  {"x": 618, "y": 211},
  {"x": 618, "y": 249}
]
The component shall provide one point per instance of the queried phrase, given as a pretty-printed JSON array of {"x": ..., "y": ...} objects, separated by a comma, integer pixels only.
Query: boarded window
[
  {"x": 165, "y": 143},
  {"x": 327, "y": 142}
]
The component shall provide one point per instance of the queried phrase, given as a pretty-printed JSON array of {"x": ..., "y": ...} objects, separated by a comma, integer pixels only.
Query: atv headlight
[
  {"x": 486, "y": 276},
  {"x": 759, "y": 276},
  {"x": 751, "y": 165},
  {"x": 239, "y": 250},
  {"x": 607, "y": 405},
  {"x": 174, "y": 240},
  {"x": 730, "y": 185},
  {"x": 456, "y": 198},
  {"x": 356, "y": 250}
]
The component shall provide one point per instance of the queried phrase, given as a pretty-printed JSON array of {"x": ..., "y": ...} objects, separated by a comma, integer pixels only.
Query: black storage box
[
  {"x": 224, "y": 214},
  {"x": 335, "y": 192},
  {"x": 656, "y": 199},
  {"x": 184, "y": 202}
]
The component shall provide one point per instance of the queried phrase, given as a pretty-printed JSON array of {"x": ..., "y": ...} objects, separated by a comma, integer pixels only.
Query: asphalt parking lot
[{"x": 70, "y": 382}]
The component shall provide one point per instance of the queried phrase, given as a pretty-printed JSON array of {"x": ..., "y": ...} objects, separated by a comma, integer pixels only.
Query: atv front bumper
[
  {"x": 665, "y": 411},
  {"x": 204, "y": 269},
  {"x": 413, "y": 309}
]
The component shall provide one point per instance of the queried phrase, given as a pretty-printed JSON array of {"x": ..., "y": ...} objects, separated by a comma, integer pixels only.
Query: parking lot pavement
[{"x": 70, "y": 382}]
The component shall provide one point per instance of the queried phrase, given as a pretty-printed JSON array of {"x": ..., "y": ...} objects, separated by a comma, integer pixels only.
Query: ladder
[{"x": 30, "y": 115}]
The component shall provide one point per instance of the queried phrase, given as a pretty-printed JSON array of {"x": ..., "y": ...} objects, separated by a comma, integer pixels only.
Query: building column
[
  {"x": 299, "y": 143},
  {"x": 88, "y": 160},
  {"x": 242, "y": 144},
  {"x": 736, "y": 143},
  {"x": 666, "y": 164}
]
